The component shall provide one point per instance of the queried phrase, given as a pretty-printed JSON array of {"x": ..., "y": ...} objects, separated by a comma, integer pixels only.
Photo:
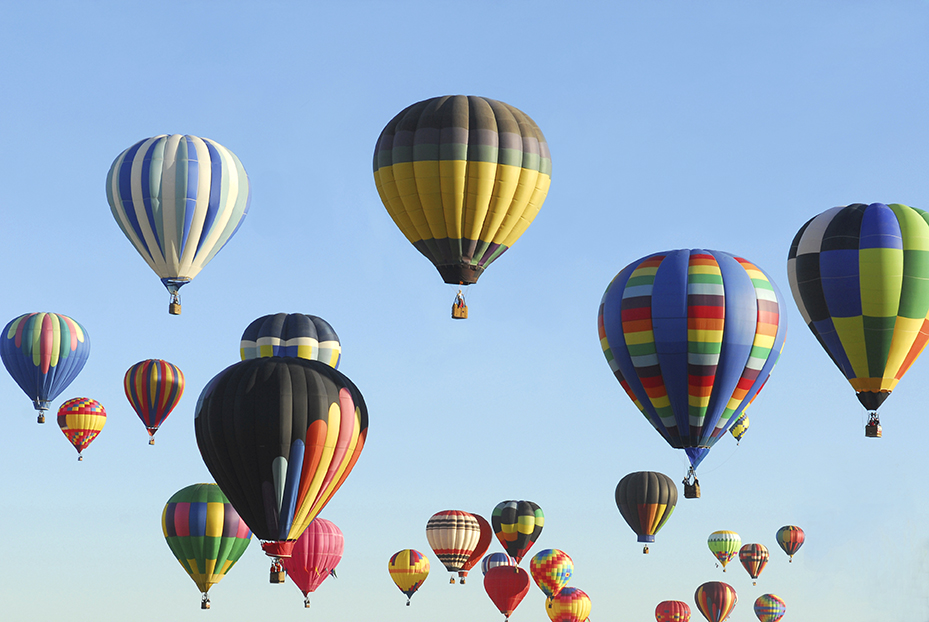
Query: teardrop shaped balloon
[
  {"x": 205, "y": 534},
  {"x": 496, "y": 559},
  {"x": 568, "y": 605},
  {"x": 315, "y": 556},
  {"x": 692, "y": 336},
  {"x": 551, "y": 570},
  {"x": 280, "y": 435},
  {"x": 408, "y": 569},
  {"x": 672, "y": 611},
  {"x": 462, "y": 177},
  {"x": 453, "y": 536},
  {"x": 506, "y": 586},
  {"x": 646, "y": 500},
  {"x": 44, "y": 353},
  {"x": 740, "y": 427},
  {"x": 769, "y": 608},
  {"x": 724, "y": 545},
  {"x": 291, "y": 334},
  {"x": 857, "y": 275},
  {"x": 153, "y": 388},
  {"x": 483, "y": 543},
  {"x": 81, "y": 419},
  {"x": 517, "y": 525},
  {"x": 790, "y": 538},
  {"x": 178, "y": 199},
  {"x": 754, "y": 558},
  {"x": 715, "y": 600}
]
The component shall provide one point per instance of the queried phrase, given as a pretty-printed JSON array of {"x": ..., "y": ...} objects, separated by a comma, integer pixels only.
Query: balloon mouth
[
  {"x": 460, "y": 274},
  {"x": 279, "y": 548},
  {"x": 646, "y": 538},
  {"x": 172, "y": 284}
]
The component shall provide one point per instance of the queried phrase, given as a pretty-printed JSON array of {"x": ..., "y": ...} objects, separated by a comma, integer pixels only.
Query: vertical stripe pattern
[{"x": 153, "y": 387}]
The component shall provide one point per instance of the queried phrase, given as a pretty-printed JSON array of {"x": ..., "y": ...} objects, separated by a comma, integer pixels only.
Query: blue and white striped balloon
[
  {"x": 496, "y": 559},
  {"x": 178, "y": 199}
]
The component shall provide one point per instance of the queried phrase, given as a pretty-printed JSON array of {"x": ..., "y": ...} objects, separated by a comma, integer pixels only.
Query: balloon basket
[
  {"x": 451, "y": 581},
  {"x": 174, "y": 308},
  {"x": 873, "y": 430},
  {"x": 306, "y": 602},
  {"x": 692, "y": 491},
  {"x": 41, "y": 418},
  {"x": 151, "y": 441},
  {"x": 205, "y": 604},
  {"x": 645, "y": 550},
  {"x": 80, "y": 458},
  {"x": 278, "y": 576},
  {"x": 459, "y": 312}
]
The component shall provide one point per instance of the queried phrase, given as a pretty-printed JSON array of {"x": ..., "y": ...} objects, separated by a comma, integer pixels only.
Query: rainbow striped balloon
[
  {"x": 692, "y": 335},
  {"x": 81, "y": 420},
  {"x": 769, "y": 608},
  {"x": 153, "y": 387}
]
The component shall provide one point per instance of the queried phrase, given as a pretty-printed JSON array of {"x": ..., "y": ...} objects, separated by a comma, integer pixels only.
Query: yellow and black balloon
[{"x": 462, "y": 177}]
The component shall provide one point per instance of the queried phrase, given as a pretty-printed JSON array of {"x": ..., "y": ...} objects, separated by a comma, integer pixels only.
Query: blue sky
[{"x": 675, "y": 124}]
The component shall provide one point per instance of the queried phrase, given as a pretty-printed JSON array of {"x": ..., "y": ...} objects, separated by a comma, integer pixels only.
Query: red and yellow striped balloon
[
  {"x": 153, "y": 387},
  {"x": 568, "y": 605},
  {"x": 81, "y": 420}
]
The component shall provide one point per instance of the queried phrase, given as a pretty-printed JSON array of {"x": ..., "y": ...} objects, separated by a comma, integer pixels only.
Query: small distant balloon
[
  {"x": 646, "y": 500},
  {"x": 568, "y": 605},
  {"x": 496, "y": 559},
  {"x": 754, "y": 558},
  {"x": 715, "y": 600},
  {"x": 506, "y": 586},
  {"x": 517, "y": 525},
  {"x": 672, "y": 611},
  {"x": 769, "y": 608},
  {"x": 291, "y": 334},
  {"x": 81, "y": 419},
  {"x": 551, "y": 570},
  {"x": 790, "y": 538},
  {"x": 315, "y": 556},
  {"x": 724, "y": 545},
  {"x": 408, "y": 569},
  {"x": 153, "y": 388},
  {"x": 453, "y": 536}
]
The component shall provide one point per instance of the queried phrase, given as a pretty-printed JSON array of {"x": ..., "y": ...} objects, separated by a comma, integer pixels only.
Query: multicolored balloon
[
  {"x": 153, "y": 388},
  {"x": 44, "y": 353},
  {"x": 81, "y": 419},
  {"x": 506, "y": 586},
  {"x": 769, "y": 608},
  {"x": 859, "y": 280},
  {"x": 790, "y": 538},
  {"x": 754, "y": 558},
  {"x": 496, "y": 559},
  {"x": 740, "y": 427},
  {"x": 568, "y": 605},
  {"x": 672, "y": 611},
  {"x": 315, "y": 556},
  {"x": 551, "y": 570},
  {"x": 715, "y": 600},
  {"x": 291, "y": 334},
  {"x": 453, "y": 536},
  {"x": 462, "y": 177},
  {"x": 646, "y": 500},
  {"x": 179, "y": 199},
  {"x": 724, "y": 545},
  {"x": 205, "y": 534},
  {"x": 408, "y": 569},
  {"x": 692, "y": 335},
  {"x": 280, "y": 435},
  {"x": 517, "y": 525}
]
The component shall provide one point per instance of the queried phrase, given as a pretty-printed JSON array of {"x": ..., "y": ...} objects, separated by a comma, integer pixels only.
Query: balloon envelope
[
  {"x": 408, "y": 569},
  {"x": 291, "y": 334},
  {"x": 790, "y": 538},
  {"x": 517, "y": 525},
  {"x": 724, "y": 545},
  {"x": 462, "y": 177},
  {"x": 81, "y": 419},
  {"x": 178, "y": 199},
  {"x": 672, "y": 611},
  {"x": 44, "y": 353},
  {"x": 153, "y": 388},
  {"x": 754, "y": 558},
  {"x": 715, "y": 600},
  {"x": 496, "y": 559},
  {"x": 204, "y": 532},
  {"x": 280, "y": 435},
  {"x": 551, "y": 570},
  {"x": 769, "y": 608},
  {"x": 646, "y": 500},
  {"x": 506, "y": 586},
  {"x": 692, "y": 335},
  {"x": 315, "y": 555},
  {"x": 568, "y": 605},
  {"x": 453, "y": 536}
]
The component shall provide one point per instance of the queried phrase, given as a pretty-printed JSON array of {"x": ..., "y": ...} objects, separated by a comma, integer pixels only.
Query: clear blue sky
[{"x": 674, "y": 124}]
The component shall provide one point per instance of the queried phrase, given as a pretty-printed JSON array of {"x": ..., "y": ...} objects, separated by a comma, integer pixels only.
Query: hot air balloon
[
  {"x": 692, "y": 335},
  {"x": 408, "y": 569},
  {"x": 790, "y": 538},
  {"x": 483, "y": 543},
  {"x": 568, "y": 605},
  {"x": 715, "y": 600},
  {"x": 769, "y": 608},
  {"x": 81, "y": 420},
  {"x": 739, "y": 428},
  {"x": 858, "y": 278},
  {"x": 496, "y": 559},
  {"x": 551, "y": 570},
  {"x": 672, "y": 611},
  {"x": 724, "y": 545},
  {"x": 754, "y": 558},
  {"x": 462, "y": 177},
  {"x": 291, "y": 334},
  {"x": 506, "y": 586},
  {"x": 646, "y": 500},
  {"x": 178, "y": 199},
  {"x": 205, "y": 534},
  {"x": 517, "y": 525},
  {"x": 153, "y": 388},
  {"x": 280, "y": 435},
  {"x": 453, "y": 536},
  {"x": 44, "y": 352},
  {"x": 315, "y": 555}
]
